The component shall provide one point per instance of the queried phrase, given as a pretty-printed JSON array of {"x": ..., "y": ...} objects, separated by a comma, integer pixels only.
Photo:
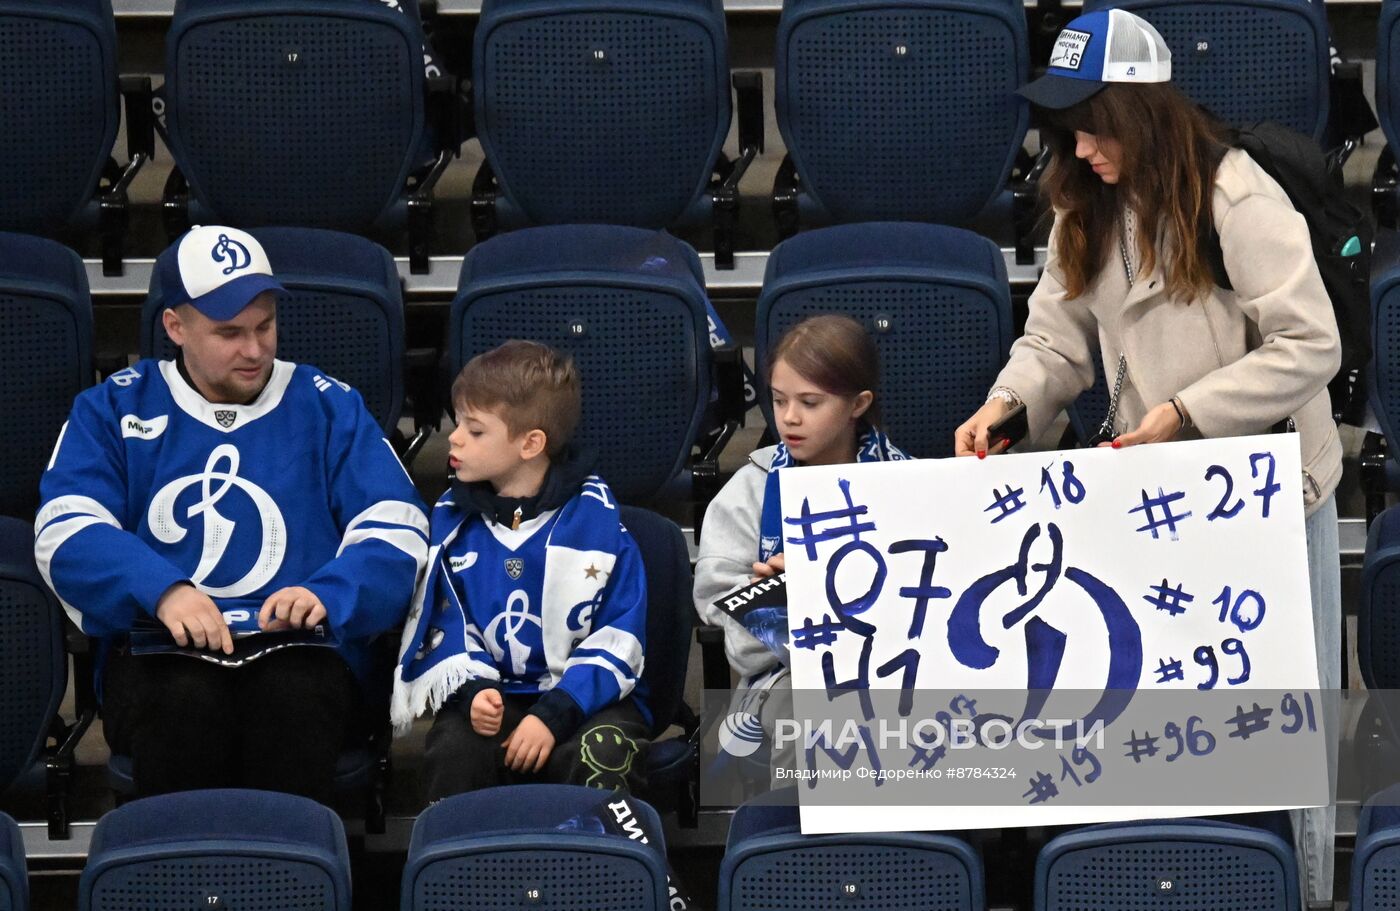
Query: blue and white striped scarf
[{"x": 873, "y": 446}]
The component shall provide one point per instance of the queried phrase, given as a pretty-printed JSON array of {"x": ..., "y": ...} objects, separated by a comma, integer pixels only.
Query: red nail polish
[
  {"x": 981, "y": 453},
  {"x": 1117, "y": 445},
  {"x": 1005, "y": 441}
]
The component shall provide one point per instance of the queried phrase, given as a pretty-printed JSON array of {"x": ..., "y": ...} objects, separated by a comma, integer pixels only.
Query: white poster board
[{"x": 1169, "y": 572}]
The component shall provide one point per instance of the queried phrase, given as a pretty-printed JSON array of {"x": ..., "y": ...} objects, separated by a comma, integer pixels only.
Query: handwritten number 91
[{"x": 1205, "y": 657}]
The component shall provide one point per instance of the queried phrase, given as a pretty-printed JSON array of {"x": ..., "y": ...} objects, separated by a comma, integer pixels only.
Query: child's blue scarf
[
  {"x": 873, "y": 446},
  {"x": 442, "y": 648}
]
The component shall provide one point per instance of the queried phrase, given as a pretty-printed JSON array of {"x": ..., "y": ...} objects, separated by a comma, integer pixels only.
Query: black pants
[
  {"x": 276, "y": 724},
  {"x": 608, "y": 751}
]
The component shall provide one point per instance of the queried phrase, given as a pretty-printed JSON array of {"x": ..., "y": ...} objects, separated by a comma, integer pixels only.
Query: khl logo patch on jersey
[{"x": 515, "y": 567}]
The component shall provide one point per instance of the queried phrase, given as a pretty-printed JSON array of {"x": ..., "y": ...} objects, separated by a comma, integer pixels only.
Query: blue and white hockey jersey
[
  {"x": 558, "y": 603},
  {"x": 150, "y": 484}
]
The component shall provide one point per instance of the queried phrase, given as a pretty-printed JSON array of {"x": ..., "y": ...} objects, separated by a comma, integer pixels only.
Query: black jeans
[
  {"x": 277, "y": 723},
  {"x": 608, "y": 751}
]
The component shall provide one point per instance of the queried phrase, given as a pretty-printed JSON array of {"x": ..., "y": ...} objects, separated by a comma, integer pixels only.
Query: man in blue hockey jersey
[
  {"x": 226, "y": 494},
  {"x": 527, "y": 634}
]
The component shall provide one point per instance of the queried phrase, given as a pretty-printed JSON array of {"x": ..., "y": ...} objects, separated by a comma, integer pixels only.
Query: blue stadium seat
[
  {"x": 531, "y": 846},
  {"x": 1187, "y": 864},
  {"x": 343, "y": 313},
  {"x": 1378, "y": 615},
  {"x": 218, "y": 849},
  {"x": 769, "y": 865},
  {"x": 298, "y": 112},
  {"x": 629, "y": 306},
  {"x": 606, "y": 112},
  {"x": 14, "y": 876},
  {"x": 33, "y": 679},
  {"x": 60, "y": 108},
  {"x": 1220, "y": 48},
  {"x": 898, "y": 109},
  {"x": 672, "y": 764},
  {"x": 46, "y": 350},
  {"x": 1375, "y": 865},
  {"x": 1379, "y": 470},
  {"x": 936, "y": 300}
]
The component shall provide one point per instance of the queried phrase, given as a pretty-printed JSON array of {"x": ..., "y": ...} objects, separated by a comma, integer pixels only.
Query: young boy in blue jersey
[
  {"x": 527, "y": 634},
  {"x": 227, "y": 494}
]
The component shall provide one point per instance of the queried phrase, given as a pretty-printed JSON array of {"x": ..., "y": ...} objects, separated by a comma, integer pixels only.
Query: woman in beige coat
[{"x": 1138, "y": 178}]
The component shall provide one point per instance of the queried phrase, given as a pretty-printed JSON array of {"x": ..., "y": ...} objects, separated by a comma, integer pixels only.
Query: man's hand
[
  {"x": 193, "y": 618},
  {"x": 1161, "y": 425},
  {"x": 293, "y": 607},
  {"x": 487, "y": 712},
  {"x": 775, "y": 565},
  {"x": 528, "y": 746}
]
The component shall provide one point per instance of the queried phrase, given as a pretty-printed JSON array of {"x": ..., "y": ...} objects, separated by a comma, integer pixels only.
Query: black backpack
[{"x": 1341, "y": 242}]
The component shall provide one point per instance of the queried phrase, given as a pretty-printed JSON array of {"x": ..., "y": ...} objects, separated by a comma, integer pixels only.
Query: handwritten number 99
[{"x": 1205, "y": 657}]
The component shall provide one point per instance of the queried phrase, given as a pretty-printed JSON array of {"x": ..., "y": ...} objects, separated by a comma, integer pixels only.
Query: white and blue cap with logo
[
  {"x": 1097, "y": 49},
  {"x": 215, "y": 269}
]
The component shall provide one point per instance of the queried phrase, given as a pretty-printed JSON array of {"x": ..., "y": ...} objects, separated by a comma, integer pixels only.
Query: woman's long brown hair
[{"x": 1171, "y": 149}]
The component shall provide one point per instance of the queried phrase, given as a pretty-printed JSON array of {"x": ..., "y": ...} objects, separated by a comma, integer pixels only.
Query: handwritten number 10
[{"x": 1237, "y": 612}]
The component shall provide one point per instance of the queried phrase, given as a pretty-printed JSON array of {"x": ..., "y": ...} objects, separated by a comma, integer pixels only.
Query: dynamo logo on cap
[
  {"x": 216, "y": 269},
  {"x": 235, "y": 252}
]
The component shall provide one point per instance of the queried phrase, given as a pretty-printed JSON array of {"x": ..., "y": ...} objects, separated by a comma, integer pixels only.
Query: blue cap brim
[
  {"x": 1059, "y": 92},
  {"x": 228, "y": 300}
]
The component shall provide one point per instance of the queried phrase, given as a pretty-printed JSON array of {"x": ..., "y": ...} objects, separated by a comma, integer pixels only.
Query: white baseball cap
[
  {"x": 1096, "y": 49},
  {"x": 215, "y": 269}
]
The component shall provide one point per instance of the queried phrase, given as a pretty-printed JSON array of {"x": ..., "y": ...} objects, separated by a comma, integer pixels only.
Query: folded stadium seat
[
  {"x": 47, "y": 352},
  {"x": 1220, "y": 48},
  {"x": 14, "y": 876},
  {"x": 539, "y": 846},
  {"x": 936, "y": 300},
  {"x": 1379, "y": 470},
  {"x": 1184, "y": 864},
  {"x": 609, "y": 112},
  {"x": 234, "y": 849},
  {"x": 1385, "y": 187},
  {"x": 769, "y": 865},
  {"x": 1375, "y": 865},
  {"x": 343, "y": 312},
  {"x": 1378, "y": 649},
  {"x": 303, "y": 112},
  {"x": 672, "y": 764},
  {"x": 898, "y": 110},
  {"x": 33, "y": 679},
  {"x": 629, "y": 306},
  {"x": 60, "y": 108}
]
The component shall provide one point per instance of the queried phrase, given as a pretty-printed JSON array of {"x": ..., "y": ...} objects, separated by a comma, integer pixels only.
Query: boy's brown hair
[{"x": 529, "y": 386}]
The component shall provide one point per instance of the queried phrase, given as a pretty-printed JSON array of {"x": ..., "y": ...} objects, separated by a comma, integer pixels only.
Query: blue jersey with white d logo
[{"x": 150, "y": 484}]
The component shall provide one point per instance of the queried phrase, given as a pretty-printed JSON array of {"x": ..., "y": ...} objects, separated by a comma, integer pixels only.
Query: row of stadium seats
[
  {"x": 320, "y": 113},
  {"x": 630, "y": 305},
  {"x": 561, "y": 846}
]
